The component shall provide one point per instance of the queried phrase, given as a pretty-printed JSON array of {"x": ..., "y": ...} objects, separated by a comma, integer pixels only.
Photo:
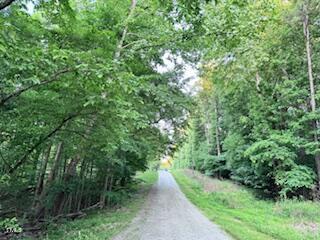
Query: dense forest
[
  {"x": 256, "y": 119},
  {"x": 81, "y": 102},
  {"x": 83, "y": 105}
]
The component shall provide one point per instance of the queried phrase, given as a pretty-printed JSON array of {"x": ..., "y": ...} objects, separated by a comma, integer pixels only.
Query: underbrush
[
  {"x": 237, "y": 210},
  {"x": 104, "y": 224}
]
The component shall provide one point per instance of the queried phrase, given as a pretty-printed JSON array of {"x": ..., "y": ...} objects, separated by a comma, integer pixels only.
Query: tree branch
[
  {"x": 53, "y": 78},
  {"x": 5, "y": 4},
  {"x": 125, "y": 30},
  {"x": 42, "y": 140}
]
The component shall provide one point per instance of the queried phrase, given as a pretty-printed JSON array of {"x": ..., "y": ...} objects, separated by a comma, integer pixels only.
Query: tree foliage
[
  {"x": 80, "y": 102},
  {"x": 255, "y": 72}
]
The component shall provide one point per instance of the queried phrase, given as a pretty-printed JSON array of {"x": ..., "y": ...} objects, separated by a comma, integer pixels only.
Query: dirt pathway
[{"x": 168, "y": 215}]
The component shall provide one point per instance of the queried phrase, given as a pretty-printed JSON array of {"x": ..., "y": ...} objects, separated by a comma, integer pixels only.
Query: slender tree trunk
[
  {"x": 40, "y": 208},
  {"x": 88, "y": 200},
  {"x": 103, "y": 194},
  {"x": 311, "y": 81},
  {"x": 258, "y": 81},
  {"x": 193, "y": 159},
  {"x": 207, "y": 125},
  {"x": 40, "y": 183},
  {"x": 218, "y": 144},
  {"x": 61, "y": 197},
  {"x": 64, "y": 168},
  {"x": 125, "y": 30},
  {"x": 69, "y": 203},
  {"x": 109, "y": 191},
  {"x": 207, "y": 132},
  {"x": 80, "y": 196},
  {"x": 84, "y": 167},
  {"x": 56, "y": 163},
  {"x": 42, "y": 172}
]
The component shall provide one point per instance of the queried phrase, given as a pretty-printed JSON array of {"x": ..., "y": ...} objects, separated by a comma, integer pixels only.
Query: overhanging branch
[
  {"x": 5, "y": 3},
  {"x": 53, "y": 78}
]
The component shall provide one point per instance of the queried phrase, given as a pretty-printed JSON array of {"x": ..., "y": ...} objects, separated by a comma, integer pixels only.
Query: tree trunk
[
  {"x": 103, "y": 194},
  {"x": 81, "y": 188},
  {"x": 109, "y": 190},
  {"x": 207, "y": 128},
  {"x": 40, "y": 208},
  {"x": 40, "y": 183},
  {"x": 218, "y": 144},
  {"x": 311, "y": 82},
  {"x": 125, "y": 30},
  {"x": 61, "y": 197},
  {"x": 56, "y": 162},
  {"x": 42, "y": 172}
]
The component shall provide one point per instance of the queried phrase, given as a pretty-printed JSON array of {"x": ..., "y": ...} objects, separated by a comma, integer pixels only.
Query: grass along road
[
  {"x": 245, "y": 217},
  {"x": 104, "y": 224}
]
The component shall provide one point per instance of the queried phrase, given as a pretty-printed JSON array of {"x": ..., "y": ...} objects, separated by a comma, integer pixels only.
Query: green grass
[
  {"x": 104, "y": 224},
  {"x": 245, "y": 217}
]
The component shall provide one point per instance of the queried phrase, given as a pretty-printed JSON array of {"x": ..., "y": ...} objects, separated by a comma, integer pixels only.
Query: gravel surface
[{"x": 168, "y": 215}]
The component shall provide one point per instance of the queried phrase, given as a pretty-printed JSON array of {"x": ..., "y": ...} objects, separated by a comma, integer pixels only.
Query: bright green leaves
[
  {"x": 60, "y": 60},
  {"x": 277, "y": 152},
  {"x": 297, "y": 178}
]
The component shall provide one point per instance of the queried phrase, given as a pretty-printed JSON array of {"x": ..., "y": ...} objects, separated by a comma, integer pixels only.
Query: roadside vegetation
[
  {"x": 238, "y": 211},
  {"x": 104, "y": 224},
  {"x": 256, "y": 118}
]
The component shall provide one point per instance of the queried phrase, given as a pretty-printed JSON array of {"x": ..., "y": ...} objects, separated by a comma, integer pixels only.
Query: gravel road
[{"x": 168, "y": 215}]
